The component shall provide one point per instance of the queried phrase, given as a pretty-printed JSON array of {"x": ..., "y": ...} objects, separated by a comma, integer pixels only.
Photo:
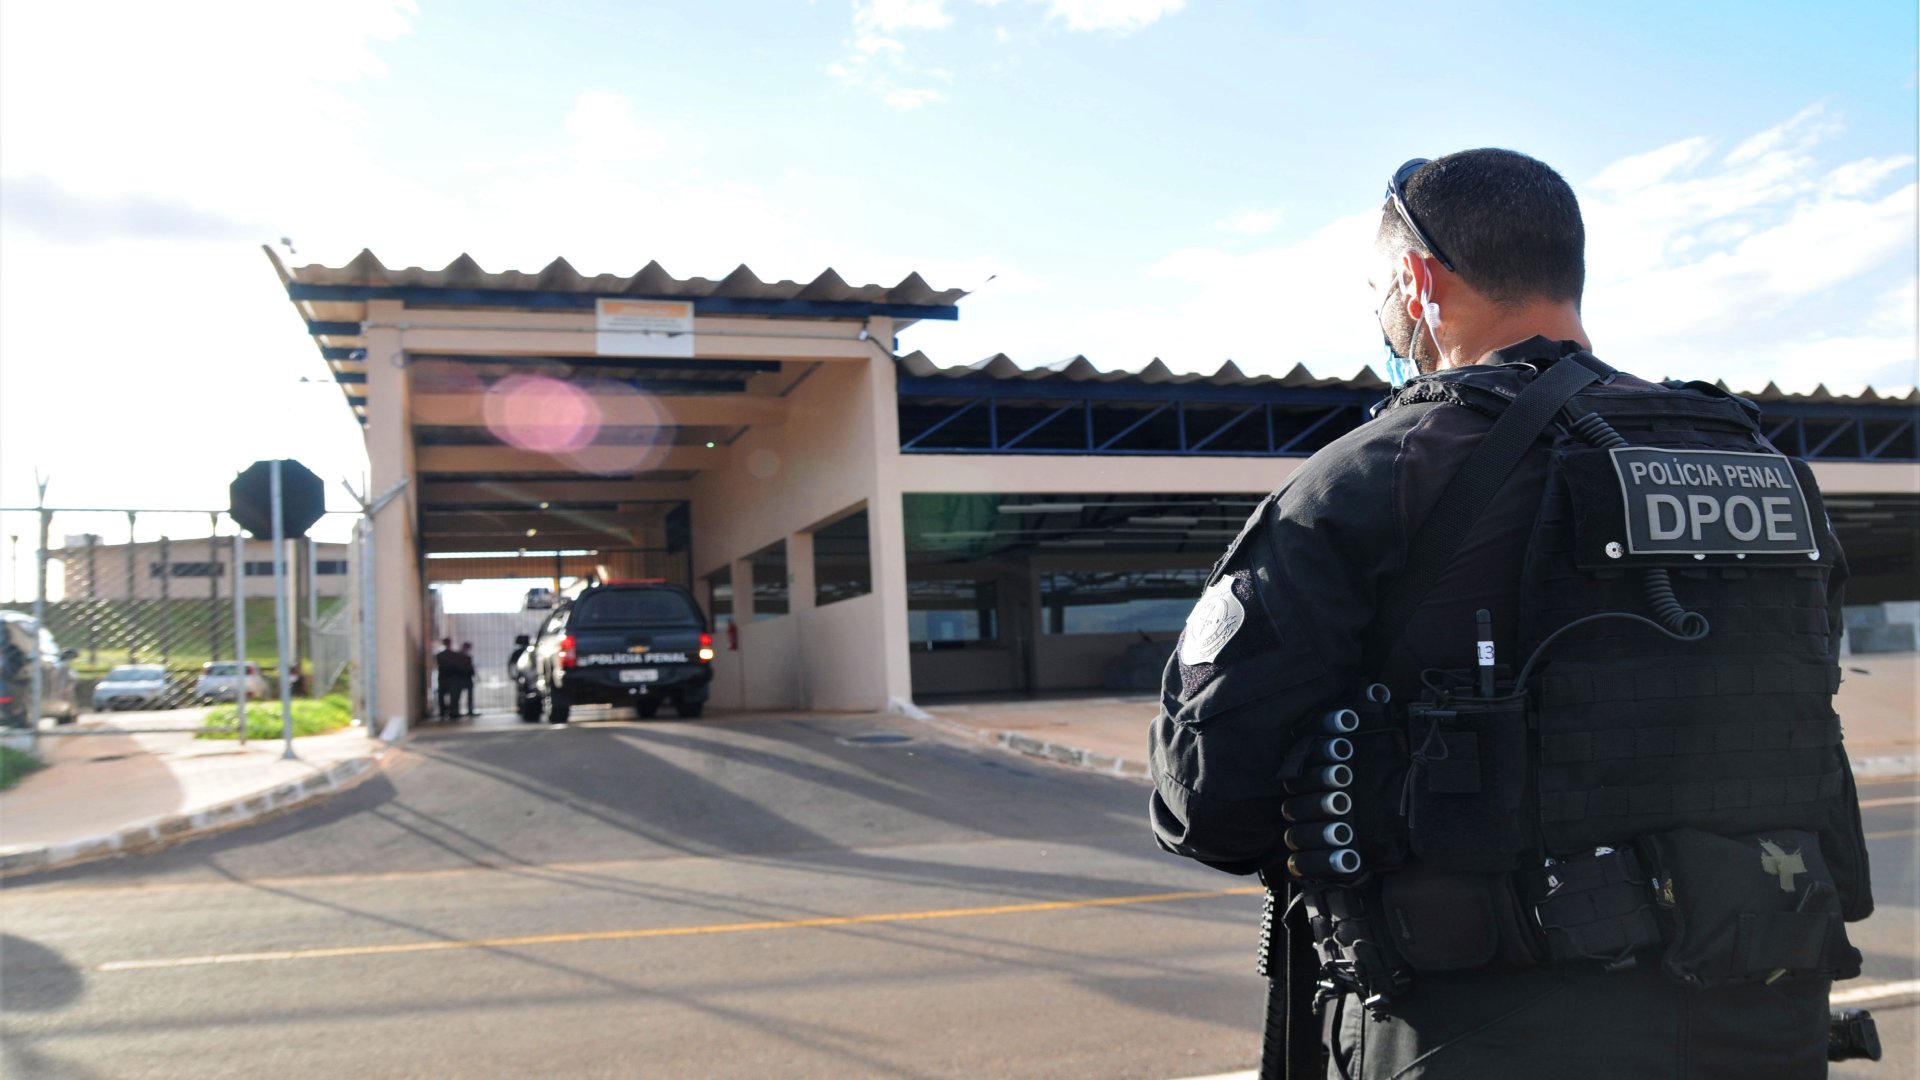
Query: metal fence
[{"x": 157, "y": 611}]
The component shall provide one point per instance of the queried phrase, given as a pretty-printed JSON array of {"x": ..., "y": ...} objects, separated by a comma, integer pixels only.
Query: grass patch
[
  {"x": 15, "y": 764},
  {"x": 310, "y": 717}
]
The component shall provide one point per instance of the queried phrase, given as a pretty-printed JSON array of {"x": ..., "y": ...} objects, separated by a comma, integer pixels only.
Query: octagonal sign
[{"x": 303, "y": 495}]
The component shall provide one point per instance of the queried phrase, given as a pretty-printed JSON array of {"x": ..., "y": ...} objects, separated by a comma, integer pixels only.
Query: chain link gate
[{"x": 140, "y": 612}]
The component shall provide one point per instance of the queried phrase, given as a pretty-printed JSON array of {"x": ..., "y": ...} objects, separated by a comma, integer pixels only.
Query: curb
[
  {"x": 1058, "y": 753},
  {"x": 1889, "y": 765},
  {"x": 155, "y": 834}
]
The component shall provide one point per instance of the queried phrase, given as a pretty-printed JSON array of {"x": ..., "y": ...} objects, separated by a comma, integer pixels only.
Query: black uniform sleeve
[{"x": 1276, "y": 639}]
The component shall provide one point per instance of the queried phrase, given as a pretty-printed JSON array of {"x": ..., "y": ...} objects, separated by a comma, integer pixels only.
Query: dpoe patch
[{"x": 1710, "y": 502}]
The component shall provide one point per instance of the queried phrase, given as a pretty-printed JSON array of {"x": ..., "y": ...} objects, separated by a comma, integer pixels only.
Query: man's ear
[{"x": 1416, "y": 284}]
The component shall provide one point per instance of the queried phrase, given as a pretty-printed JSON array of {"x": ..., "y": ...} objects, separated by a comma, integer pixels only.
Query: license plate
[{"x": 639, "y": 674}]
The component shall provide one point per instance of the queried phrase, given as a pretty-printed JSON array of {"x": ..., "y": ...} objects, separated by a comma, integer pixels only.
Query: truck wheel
[
  {"x": 529, "y": 708},
  {"x": 648, "y": 708},
  {"x": 558, "y": 706},
  {"x": 689, "y": 710}
]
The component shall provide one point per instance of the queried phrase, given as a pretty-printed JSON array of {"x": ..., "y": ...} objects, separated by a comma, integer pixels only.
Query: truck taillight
[
  {"x": 567, "y": 655},
  {"x": 706, "y": 648}
]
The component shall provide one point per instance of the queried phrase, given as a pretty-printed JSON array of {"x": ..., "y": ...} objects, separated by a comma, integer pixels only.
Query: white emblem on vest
[{"x": 1211, "y": 624}]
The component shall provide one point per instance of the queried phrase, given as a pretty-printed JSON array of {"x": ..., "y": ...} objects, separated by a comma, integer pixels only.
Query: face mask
[{"x": 1399, "y": 368}]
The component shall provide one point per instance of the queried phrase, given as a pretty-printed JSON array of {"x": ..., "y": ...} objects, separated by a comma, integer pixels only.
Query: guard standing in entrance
[
  {"x": 1519, "y": 696},
  {"x": 446, "y": 677}
]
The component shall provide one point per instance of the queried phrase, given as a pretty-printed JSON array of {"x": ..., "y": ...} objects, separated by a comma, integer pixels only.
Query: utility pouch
[
  {"x": 1446, "y": 921},
  {"x": 1350, "y": 933},
  {"x": 1747, "y": 909},
  {"x": 1464, "y": 789},
  {"x": 1592, "y": 907}
]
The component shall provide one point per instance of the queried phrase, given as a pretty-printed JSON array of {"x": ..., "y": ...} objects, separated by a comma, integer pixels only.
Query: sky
[{"x": 1193, "y": 180}]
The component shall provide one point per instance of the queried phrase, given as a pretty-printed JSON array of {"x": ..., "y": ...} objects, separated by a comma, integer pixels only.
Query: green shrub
[
  {"x": 310, "y": 717},
  {"x": 15, "y": 764}
]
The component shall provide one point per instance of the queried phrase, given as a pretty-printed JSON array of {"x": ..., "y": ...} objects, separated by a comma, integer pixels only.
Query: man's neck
[{"x": 1495, "y": 327}]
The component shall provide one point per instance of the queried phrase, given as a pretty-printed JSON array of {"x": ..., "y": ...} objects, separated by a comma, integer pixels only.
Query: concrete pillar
[
  {"x": 742, "y": 593},
  {"x": 800, "y": 605},
  {"x": 886, "y": 522},
  {"x": 396, "y": 554}
]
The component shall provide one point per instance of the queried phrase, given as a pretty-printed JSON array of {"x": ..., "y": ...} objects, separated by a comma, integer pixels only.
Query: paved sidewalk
[
  {"x": 112, "y": 794},
  {"x": 1109, "y": 734}
]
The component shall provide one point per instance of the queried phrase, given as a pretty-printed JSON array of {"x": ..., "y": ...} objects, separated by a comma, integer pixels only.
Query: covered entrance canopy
[{"x": 638, "y": 426}]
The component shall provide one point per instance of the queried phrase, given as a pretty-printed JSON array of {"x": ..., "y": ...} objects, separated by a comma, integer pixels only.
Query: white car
[
  {"x": 131, "y": 686},
  {"x": 221, "y": 681}
]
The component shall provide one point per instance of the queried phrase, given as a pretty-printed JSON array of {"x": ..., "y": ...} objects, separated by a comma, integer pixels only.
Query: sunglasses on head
[{"x": 1397, "y": 193}]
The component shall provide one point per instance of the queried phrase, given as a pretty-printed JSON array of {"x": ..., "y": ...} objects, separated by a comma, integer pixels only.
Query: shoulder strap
[{"x": 1468, "y": 494}]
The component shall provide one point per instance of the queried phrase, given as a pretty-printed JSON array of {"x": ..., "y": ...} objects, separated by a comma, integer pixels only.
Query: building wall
[
  {"x": 100, "y": 572},
  {"x": 780, "y": 482}
]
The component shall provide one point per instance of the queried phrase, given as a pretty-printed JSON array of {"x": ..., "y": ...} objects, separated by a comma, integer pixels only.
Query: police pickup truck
[{"x": 637, "y": 643}]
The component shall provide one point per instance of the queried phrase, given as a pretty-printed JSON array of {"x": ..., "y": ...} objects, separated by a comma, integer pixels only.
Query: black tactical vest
[
  {"x": 1479, "y": 815},
  {"x": 1734, "y": 734}
]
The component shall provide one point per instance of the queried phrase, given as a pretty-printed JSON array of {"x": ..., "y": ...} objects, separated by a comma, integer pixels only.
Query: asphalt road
[{"x": 672, "y": 899}]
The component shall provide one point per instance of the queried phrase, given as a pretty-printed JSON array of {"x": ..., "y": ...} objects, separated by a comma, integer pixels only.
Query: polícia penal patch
[{"x": 1710, "y": 502}]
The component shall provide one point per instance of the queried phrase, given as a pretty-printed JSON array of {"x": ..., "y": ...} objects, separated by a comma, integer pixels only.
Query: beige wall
[
  {"x": 109, "y": 569},
  {"x": 778, "y": 484},
  {"x": 1015, "y": 474}
]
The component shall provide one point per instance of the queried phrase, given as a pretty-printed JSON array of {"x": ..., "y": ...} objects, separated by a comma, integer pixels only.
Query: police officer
[{"x": 1591, "y": 817}]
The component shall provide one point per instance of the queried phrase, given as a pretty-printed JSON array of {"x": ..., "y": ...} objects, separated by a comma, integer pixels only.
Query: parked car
[
  {"x": 636, "y": 643},
  {"x": 24, "y": 644},
  {"x": 131, "y": 686},
  {"x": 539, "y": 599},
  {"x": 220, "y": 680}
]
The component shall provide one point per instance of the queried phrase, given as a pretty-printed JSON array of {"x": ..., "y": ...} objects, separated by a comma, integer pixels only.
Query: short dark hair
[{"x": 1509, "y": 224}]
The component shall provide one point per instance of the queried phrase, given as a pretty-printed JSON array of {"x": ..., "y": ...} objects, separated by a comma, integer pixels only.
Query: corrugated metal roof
[
  {"x": 652, "y": 280},
  {"x": 1080, "y": 369}
]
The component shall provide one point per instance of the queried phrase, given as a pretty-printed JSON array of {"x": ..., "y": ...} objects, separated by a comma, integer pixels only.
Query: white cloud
[
  {"x": 160, "y": 155},
  {"x": 1120, "y": 16},
  {"x": 877, "y": 61},
  {"x": 603, "y": 129},
  {"x": 891, "y": 15},
  {"x": 1252, "y": 222},
  {"x": 876, "y": 58},
  {"x": 1771, "y": 262}
]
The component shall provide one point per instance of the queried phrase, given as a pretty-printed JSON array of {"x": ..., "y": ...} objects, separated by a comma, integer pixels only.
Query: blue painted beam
[
  {"x": 910, "y": 386},
  {"x": 336, "y": 352},
  {"x": 350, "y": 377},
  {"x": 630, "y": 363},
  {"x": 333, "y": 329},
  {"x": 1851, "y": 410},
  {"x": 544, "y": 300}
]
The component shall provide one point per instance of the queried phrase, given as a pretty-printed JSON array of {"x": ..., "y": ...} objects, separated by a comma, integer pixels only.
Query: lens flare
[
  {"x": 633, "y": 438},
  {"x": 542, "y": 414}
]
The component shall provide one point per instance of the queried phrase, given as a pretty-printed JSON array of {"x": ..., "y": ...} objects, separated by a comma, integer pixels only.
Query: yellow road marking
[
  {"x": 1891, "y": 800},
  {"x": 1893, "y": 833},
  {"x": 666, "y": 931}
]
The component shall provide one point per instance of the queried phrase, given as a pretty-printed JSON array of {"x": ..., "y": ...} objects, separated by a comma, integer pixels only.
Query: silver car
[
  {"x": 131, "y": 686},
  {"x": 221, "y": 680}
]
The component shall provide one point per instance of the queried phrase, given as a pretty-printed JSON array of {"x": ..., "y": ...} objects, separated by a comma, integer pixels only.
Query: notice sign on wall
[{"x": 643, "y": 327}]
